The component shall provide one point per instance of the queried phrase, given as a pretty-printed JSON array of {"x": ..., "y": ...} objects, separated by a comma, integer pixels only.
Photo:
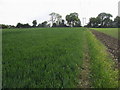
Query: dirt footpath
[{"x": 111, "y": 43}]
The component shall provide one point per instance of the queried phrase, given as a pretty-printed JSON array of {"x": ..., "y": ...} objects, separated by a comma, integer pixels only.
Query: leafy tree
[
  {"x": 94, "y": 22},
  {"x": 68, "y": 19},
  {"x": 117, "y": 22},
  {"x": 72, "y": 19},
  {"x": 104, "y": 19},
  {"x": 78, "y": 23},
  {"x": 59, "y": 19},
  {"x": 11, "y": 26},
  {"x": 3, "y": 26},
  {"x": 26, "y": 25},
  {"x": 55, "y": 18},
  {"x": 44, "y": 24},
  {"x": 19, "y": 25},
  {"x": 34, "y": 23},
  {"x": 108, "y": 23}
]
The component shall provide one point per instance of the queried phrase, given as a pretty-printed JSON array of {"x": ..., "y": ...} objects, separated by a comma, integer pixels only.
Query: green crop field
[
  {"x": 53, "y": 58},
  {"x": 110, "y": 31}
]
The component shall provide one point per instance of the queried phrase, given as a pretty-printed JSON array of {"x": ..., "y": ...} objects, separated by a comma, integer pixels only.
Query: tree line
[
  {"x": 72, "y": 20},
  {"x": 103, "y": 20}
]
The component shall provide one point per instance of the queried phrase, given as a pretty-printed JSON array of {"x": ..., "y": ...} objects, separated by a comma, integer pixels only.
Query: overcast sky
[{"x": 25, "y": 11}]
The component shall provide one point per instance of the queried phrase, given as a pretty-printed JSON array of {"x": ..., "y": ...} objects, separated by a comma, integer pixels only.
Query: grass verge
[{"x": 103, "y": 73}]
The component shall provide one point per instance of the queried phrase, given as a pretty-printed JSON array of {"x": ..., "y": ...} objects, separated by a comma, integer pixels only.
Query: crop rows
[{"x": 53, "y": 57}]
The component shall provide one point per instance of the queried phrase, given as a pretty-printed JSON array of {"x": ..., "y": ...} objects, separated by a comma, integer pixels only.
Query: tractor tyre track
[
  {"x": 85, "y": 73},
  {"x": 112, "y": 44}
]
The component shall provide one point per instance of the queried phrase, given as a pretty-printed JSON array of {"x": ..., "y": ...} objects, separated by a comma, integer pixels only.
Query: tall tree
[
  {"x": 117, "y": 22},
  {"x": 72, "y": 19},
  {"x": 94, "y": 22},
  {"x": 34, "y": 23},
  {"x": 68, "y": 19},
  {"x": 55, "y": 18},
  {"x": 104, "y": 19},
  {"x": 19, "y": 25},
  {"x": 78, "y": 23},
  {"x": 59, "y": 19}
]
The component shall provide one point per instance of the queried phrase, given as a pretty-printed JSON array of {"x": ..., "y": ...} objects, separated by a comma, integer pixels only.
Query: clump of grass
[{"x": 103, "y": 74}]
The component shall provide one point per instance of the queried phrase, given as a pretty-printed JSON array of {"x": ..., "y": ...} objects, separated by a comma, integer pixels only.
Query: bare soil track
[
  {"x": 85, "y": 73},
  {"x": 111, "y": 43}
]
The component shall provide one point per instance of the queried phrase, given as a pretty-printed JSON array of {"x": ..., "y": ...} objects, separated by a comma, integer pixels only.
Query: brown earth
[{"x": 112, "y": 44}]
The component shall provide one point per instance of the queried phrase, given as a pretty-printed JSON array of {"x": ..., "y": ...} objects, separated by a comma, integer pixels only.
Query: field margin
[{"x": 0, "y": 57}]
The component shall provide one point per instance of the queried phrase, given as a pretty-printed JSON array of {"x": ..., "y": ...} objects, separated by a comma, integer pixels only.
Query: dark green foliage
[
  {"x": 73, "y": 20},
  {"x": 44, "y": 24},
  {"x": 20, "y": 25},
  {"x": 3, "y": 26},
  {"x": 34, "y": 23},
  {"x": 103, "y": 20},
  {"x": 94, "y": 22},
  {"x": 117, "y": 22}
]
